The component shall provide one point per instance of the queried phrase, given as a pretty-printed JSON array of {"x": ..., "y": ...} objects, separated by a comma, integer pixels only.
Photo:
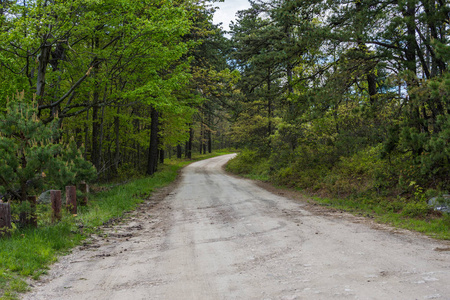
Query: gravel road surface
[{"x": 214, "y": 236}]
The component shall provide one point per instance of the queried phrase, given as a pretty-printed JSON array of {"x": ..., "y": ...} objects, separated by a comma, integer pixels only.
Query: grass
[
  {"x": 407, "y": 214},
  {"x": 435, "y": 225},
  {"x": 28, "y": 253},
  {"x": 260, "y": 177}
]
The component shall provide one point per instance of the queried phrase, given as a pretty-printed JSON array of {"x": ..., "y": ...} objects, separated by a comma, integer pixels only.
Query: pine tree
[{"x": 31, "y": 154}]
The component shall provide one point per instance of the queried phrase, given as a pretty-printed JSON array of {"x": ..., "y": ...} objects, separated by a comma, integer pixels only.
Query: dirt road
[{"x": 218, "y": 237}]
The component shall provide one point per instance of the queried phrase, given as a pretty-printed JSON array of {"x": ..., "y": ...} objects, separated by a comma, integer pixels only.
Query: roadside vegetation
[
  {"x": 29, "y": 252},
  {"x": 351, "y": 185},
  {"x": 348, "y": 101}
]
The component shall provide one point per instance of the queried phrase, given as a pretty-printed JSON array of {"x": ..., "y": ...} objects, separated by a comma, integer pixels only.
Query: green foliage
[
  {"x": 347, "y": 105},
  {"x": 102, "y": 65},
  {"x": 248, "y": 162},
  {"x": 30, "y": 153},
  {"x": 415, "y": 209}
]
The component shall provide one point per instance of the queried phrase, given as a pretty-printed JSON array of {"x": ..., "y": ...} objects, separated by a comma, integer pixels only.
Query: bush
[
  {"x": 415, "y": 209},
  {"x": 245, "y": 163}
]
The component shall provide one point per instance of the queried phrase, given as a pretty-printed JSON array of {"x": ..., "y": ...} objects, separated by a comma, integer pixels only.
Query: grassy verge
[
  {"x": 411, "y": 214},
  {"x": 29, "y": 252}
]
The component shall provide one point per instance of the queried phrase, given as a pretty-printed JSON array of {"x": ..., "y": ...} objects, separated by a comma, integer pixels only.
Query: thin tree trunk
[
  {"x": 44, "y": 59},
  {"x": 160, "y": 140},
  {"x": 191, "y": 138},
  {"x": 86, "y": 135},
  {"x": 370, "y": 77},
  {"x": 95, "y": 157},
  {"x": 209, "y": 142},
  {"x": 200, "y": 138},
  {"x": 269, "y": 107},
  {"x": 100, "y": 140},
  {"x": 117, "y": 134},
  {"x": 209, "y": 133},
  {"x": 161, "y": 156},
  {"x": 410, "y": 52},
  {"x": 95, "y": 154},
  {"x": 179, "y": 151},
  {"x": 153, "y": 147}
]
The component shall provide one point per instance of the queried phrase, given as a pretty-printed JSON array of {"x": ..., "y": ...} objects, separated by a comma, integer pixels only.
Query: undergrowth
[{"x": 361, "y": 183}]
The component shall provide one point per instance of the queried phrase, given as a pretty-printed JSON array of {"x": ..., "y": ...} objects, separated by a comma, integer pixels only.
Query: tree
[
  {"x": 345, "y": 79},
  {"x": 30, "y": 153}
]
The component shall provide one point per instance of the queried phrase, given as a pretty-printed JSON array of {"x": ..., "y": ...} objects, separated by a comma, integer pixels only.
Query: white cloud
[{"x": 227, "y": 11}]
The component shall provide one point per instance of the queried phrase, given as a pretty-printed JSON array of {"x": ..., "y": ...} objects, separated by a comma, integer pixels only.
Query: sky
[{"x": 227, "y": 11}]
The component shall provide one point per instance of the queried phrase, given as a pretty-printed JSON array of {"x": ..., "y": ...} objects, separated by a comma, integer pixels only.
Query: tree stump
[
  {"x": 84, "y": 188},
  {"x": 5, "y": 219},
  {"x": 55, "y": 196},
  {"x": 71, "y": 199}
]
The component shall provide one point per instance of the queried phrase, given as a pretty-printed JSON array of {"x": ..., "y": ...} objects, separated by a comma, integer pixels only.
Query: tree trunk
[
  {"x": 437, "y": 64},
  {"x": 179, "y": 151},
  {"x": 161, "y": 156},
  {"x": 153, "y": 147},
  {"x": 117, "y": 142},
  {"x": 410, "y": 52},
  {"x": 44, "y": 58},
  {"x": 200, "y": 139},
  {"x": 186, "y": 148},
  {"x": 86, "y": 135},
  {"x": 189, "y": 146},
  {"x": 95, "y": 156},
  {"x": 160, "y": 140},
  {"x": 370, "y": 77},
  {"x": 209, "y": 142},
  {"x": 269, "y": 107},
  {"x": 372, "y": 85},
  {"x": 209, "y": 133},
  {"x": 100, "y": 140}
]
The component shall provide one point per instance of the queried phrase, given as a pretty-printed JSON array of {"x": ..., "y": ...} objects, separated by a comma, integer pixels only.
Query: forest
[
  {"x": 345, "y": 98},
  {"x": 103, "y": 89},
  {"x": 344, "y": 101},
  {"x": 336, "y": 98}
]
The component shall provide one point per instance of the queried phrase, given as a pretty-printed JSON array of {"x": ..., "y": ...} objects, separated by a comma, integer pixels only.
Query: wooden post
[
  {"x": 55, "y": 196},
  {"x": 84, "y": 188},
  {"x": 5, "y": 219},
  {"x": 33, "y": 216},
  {"x": 71, "y": 199}
]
